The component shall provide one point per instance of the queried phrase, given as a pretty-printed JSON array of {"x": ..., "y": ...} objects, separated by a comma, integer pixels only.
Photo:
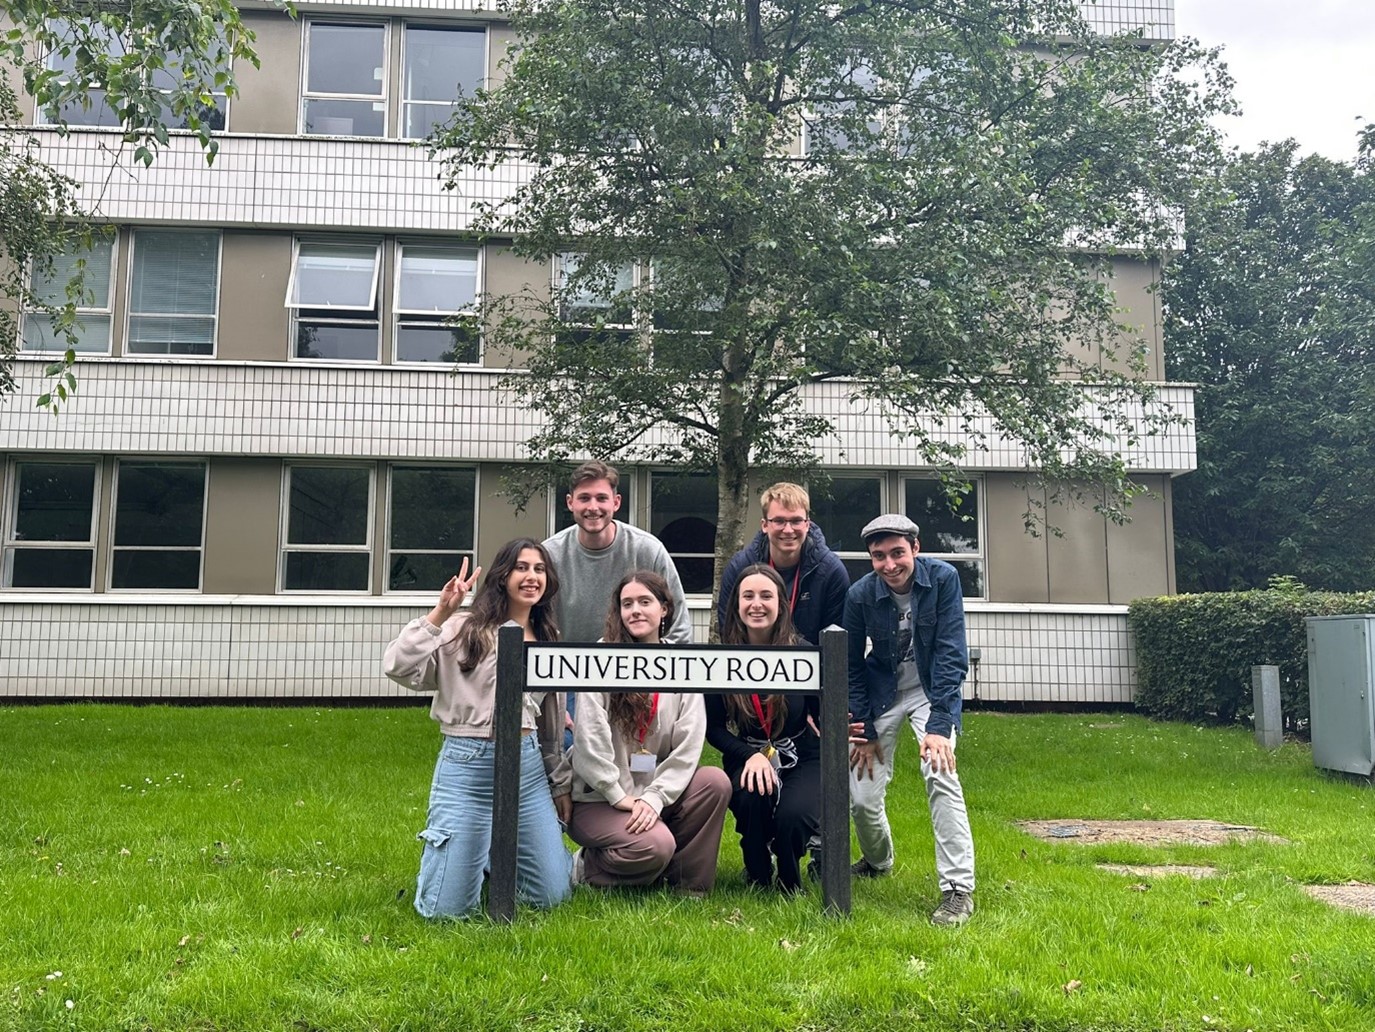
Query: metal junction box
[{"x": 1341, "y": 692}]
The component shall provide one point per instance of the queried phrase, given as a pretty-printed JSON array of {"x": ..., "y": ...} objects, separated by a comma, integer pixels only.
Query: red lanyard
[
  {"x": 653, "y": 711},
  {"x": 797, "y": 579},
  {"x": 766, "y": 724}
]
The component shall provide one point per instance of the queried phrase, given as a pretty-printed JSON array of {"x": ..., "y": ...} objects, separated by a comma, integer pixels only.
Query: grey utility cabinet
[{"x": 1341, "y": 692}]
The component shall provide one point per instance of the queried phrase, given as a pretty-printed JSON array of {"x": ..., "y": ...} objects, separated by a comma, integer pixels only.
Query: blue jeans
[{"x": 458, "y": 833}]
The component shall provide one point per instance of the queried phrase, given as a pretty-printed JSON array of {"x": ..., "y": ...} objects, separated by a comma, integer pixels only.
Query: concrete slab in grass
[
  {"x": 1147, "y": 833},
  {"x": 1354, "y": 895}
]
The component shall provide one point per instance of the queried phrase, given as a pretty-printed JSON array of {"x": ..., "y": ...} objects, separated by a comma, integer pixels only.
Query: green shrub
[{"x": 1194, "y": 653}]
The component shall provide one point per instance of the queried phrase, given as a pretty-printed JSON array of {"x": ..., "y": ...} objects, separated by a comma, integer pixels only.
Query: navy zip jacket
[
  {"x": 938, "y": 640},
  {"x": 820, "y": 595}
]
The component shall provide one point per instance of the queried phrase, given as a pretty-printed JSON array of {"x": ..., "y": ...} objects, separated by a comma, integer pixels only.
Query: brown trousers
[{"x": 682, "y": 847}]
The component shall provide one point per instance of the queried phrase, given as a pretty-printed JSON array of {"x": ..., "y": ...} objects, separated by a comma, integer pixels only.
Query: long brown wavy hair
[
  {"x": 739, "y": 708},
  {"x": 627, "y": 712},
  {"x": 491, "y": 607}
]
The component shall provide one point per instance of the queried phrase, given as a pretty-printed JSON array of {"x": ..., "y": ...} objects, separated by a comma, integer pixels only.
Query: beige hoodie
[{"x": 600, "y": 756}]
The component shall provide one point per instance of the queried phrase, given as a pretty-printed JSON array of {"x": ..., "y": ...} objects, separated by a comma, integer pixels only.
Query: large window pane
[
  {"x": 945, "y": 529},
  {"x": 853, "y": 502},
  {"x": 92, "y": 108},
  {"x": 596, "y": 302},
  {"x": 345, "y": 117},
  {"x": 338, "y": 341},
  {"x": 432, "y": 526},
  {"x": 441, "y": 65},
  {"x": 348, "y": 59},
  {"x": 160, "y": 504},
  {"x": 438, "y": 342},
  {"x": 172, "y": 293},
  {"x": 683, "y": 517},
  {"x": 334, "y": 275},
  {"x": 437, "y": 279},
  {"x": 52, "y": 567},
  {"x": 92, "y": 267},
  {"x": 329, "y": 505},
  {"x": 54, "y": 501},
  {"x": 156, "y": 569}
]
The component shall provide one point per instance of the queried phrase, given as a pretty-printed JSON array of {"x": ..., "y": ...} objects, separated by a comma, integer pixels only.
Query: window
[
  {"x": 432, "y": 526},
  {"x": 333, "y": 291},
  {"x": 853, "y": 502},
  {"x": 440, "y": 65},
  {"x": 345, "y": 79},
  {"x": 433, "y": 286},
  {"x": 849, "y": 123},
  {"x": 328, "y": 529},
  {"x": 952, "y": 533},
  {"x": 50, "y": 538},
  {"x": 683, "y": 516},
  {"x": 602, "y": 307},
  {"x": 92, "y": 326},
  {"x": 173, "y": 293},
  {"x": 625, "y": 487},
  {"x": 159, "y": 525},
  {"x": 95, "y": 110}
]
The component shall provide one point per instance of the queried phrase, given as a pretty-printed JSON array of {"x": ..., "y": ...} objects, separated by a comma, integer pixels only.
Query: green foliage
[
  {"x": 1270, "y": 310},
  {"x": 916, "y": 252},
  {"x": 265, "y": 883},
  {"x": 156, "y": 65},
  {"x": 1194, "y": 653}
]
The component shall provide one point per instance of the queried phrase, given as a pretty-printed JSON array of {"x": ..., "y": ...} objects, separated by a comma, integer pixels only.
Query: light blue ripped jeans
[{"x": 458, "y": 832}]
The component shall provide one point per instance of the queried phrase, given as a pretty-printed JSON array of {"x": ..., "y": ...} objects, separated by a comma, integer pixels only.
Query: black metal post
[
  {"x": 835, "y": 772},
  {"x": 501, "y": 880}
]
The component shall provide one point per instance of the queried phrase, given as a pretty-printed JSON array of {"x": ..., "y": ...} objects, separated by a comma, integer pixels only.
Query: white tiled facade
[
  {"x": 249, "y": 419},
  {"x": 254, "y": 648}
]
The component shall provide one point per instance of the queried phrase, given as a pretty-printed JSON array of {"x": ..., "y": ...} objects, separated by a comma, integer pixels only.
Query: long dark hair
[
  {"x": 733, "y": 632},
  {"x": 491, "y": 606},
  {"x": 627, "y": 712}
]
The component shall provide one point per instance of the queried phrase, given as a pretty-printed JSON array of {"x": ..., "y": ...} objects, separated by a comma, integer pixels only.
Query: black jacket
[{"x": 820, "y": 596}]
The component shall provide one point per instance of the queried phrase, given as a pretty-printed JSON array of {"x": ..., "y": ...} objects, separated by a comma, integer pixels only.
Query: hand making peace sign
[{"x": 453, "y": 593}]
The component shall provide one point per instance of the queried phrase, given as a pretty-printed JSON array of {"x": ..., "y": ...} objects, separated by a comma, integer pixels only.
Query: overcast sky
[{"x": 1303, "y": 68}]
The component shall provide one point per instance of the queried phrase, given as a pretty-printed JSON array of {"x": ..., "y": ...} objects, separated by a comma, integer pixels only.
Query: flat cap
[{"x": 889, "y": 523}]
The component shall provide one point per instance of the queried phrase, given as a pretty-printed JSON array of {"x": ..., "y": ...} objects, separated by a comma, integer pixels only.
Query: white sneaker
[{"x": 578, "y": 875}]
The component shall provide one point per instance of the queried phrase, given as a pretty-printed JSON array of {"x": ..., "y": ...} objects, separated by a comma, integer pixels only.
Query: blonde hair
[{"x": 788, "y": 495}]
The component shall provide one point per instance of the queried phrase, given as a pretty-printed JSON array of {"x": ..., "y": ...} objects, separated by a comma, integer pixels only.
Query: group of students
[{"x": 630, "y": 790}]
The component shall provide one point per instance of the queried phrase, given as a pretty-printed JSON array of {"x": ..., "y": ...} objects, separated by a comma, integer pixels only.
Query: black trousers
[{"x": 778, "y": 825}]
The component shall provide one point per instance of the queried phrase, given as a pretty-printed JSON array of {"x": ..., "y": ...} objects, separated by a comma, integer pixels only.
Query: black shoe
[
  {"x": 862, "y": 868},
  {"x": 814, "y": 868}
]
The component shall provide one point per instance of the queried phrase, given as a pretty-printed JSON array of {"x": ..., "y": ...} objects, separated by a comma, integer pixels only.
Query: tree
[
  {"x": 154, "y": 66},
  {"x": 934, "y": 249},
  {"x": 1269, "y": 309}
]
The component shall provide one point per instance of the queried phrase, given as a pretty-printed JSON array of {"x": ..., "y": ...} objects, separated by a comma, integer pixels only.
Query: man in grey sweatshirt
[{"x": 592, "y": 556}]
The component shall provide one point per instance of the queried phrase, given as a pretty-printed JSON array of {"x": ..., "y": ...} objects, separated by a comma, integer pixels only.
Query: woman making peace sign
[{"x": 453, "y": 654}]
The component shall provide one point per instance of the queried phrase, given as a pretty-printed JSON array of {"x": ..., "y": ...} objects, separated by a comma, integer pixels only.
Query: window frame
[
  {"x": 979, "y": 557},
  {"x": 418, "y": 317},
  {"x": 120, "y": 461},
  {"x": 387, "y": 551},
  {"x": 862, "y": 556},
  {"x": 221, "y": 99},
  {"x": 11, "y": 520},
  {"x": 129, "y": 313},
  {"x": 286, "y": 546},
  {"x": 305, "y": 95},
  {"x": 296, "y": 307},
  {"x": 403, "y": 103},
  {"x": 107, "y": 313},
  {"x": 675, "y": 556},
  {"x": 561, "y": 264}
]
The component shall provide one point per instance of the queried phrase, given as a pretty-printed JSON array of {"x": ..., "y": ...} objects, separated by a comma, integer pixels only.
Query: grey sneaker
[
  {"x": 862, "y": 868},
  {"x": 578, "y": 875},
  {"x": 955, "y": 908}
]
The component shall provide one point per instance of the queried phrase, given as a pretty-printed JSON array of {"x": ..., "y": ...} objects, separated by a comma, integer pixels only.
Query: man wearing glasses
[{"x": 814, "y": 579}]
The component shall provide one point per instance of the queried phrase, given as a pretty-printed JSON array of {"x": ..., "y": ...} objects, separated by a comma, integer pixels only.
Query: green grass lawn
[{"x": 240, "y": 869}]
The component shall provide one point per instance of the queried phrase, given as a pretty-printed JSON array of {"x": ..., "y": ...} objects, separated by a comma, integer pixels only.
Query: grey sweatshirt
[{"x": 587, "y": 579}]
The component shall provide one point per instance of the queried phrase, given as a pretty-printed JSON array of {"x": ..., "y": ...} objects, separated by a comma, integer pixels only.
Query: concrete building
[{"x": 269, "y": 467}]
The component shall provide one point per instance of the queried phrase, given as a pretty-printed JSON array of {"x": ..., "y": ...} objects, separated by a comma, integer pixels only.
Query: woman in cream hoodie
[{"x": 643, "y": 810}]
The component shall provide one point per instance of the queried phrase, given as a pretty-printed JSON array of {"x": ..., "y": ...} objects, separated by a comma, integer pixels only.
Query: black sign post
[{"x": 513, "y": 676}]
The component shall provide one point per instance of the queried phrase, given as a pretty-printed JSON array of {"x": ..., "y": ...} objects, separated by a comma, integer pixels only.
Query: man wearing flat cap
[{"x": 912, "y": 611}]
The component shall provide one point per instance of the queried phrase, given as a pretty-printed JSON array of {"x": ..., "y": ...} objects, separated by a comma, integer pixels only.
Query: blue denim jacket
[{"x": 942, "y": 652}]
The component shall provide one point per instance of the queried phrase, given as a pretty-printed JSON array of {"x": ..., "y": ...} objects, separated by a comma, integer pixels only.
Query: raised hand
[{"x": 453, "y": 593}]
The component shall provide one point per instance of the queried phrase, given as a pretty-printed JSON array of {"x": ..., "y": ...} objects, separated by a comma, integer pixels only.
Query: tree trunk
[{"x": 732, "y": 487}]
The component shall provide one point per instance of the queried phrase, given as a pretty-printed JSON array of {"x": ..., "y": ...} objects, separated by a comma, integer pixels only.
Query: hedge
[{"x": 1194, "y": 653}]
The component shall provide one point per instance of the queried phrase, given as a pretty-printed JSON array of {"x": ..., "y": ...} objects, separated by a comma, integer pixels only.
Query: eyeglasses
[{"x": 779, "y": 522}]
